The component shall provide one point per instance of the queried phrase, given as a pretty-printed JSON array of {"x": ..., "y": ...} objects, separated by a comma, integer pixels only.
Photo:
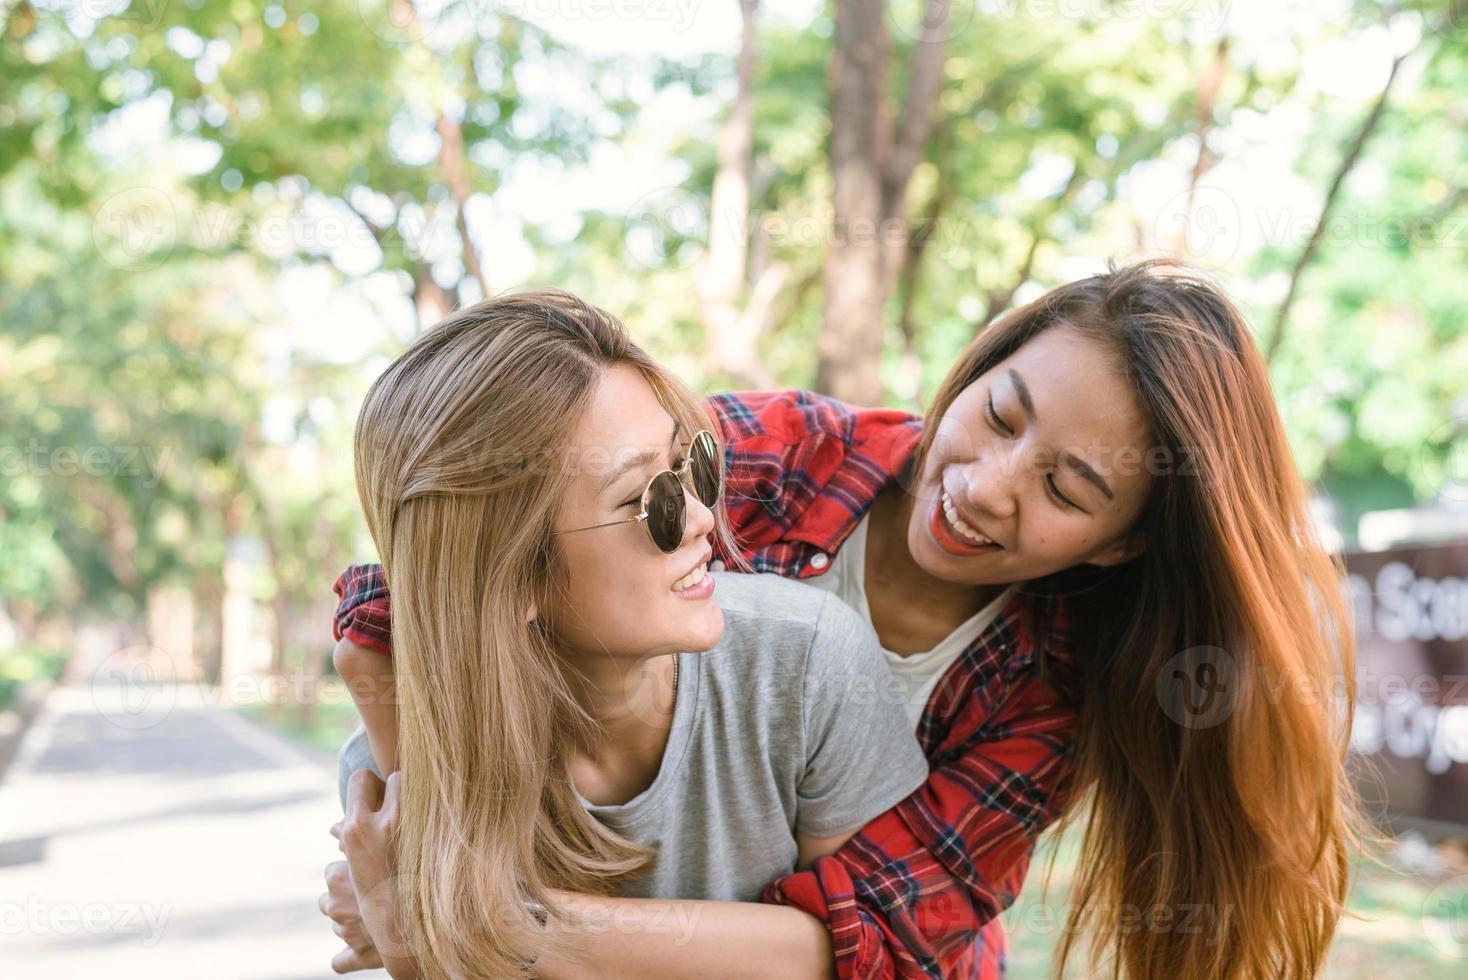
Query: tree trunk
[
  {"x": 1209, "y": 82},
  {"x": 209, "y": 627},
  {"x": 732, "y": 322},
  {"x": 431, "y": 300},
  {"x": 452, "y": 163},
  {"x": 870, "y": 170}
]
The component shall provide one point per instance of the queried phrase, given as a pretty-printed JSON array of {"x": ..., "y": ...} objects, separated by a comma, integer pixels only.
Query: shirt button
[
  {"x": 820, "y": 560},
  {"x": 716, "y": 565}
]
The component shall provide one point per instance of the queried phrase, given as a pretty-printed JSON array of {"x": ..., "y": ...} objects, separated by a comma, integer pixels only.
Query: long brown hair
[
  {"x": 1219, "y": 828},
  {"x": 461, "y": 455}
]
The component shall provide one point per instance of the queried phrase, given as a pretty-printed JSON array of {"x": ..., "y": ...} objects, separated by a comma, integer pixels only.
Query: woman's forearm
[
  {"x": 370, "y": 678},
  {"x": 677, "y": 938}
]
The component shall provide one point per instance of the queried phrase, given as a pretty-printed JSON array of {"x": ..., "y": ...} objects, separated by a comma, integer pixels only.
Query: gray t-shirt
[{"x": 791, "y": 722}]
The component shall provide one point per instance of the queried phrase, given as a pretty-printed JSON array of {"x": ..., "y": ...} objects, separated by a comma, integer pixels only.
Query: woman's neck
[
  {"x": 910, "y": 607},
  {"x": 632, "y": 702}
]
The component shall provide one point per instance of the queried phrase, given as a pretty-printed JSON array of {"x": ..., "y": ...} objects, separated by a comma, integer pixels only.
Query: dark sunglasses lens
[
  {"x": 706, "y": 468},
  {"x": 665, "y": 511}
]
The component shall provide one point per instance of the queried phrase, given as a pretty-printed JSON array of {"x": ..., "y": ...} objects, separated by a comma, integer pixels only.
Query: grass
[
  {"x": 1416, "y": 925},
  {"x": 331, "y": 719},
  {"x": 25, "y": 664}
]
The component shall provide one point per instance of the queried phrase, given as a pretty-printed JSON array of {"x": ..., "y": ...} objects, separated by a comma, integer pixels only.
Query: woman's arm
[
  {"x": 368, "y": 674},
  {"x": 653, "y": 938},
  {"x": 610, "y": 937},
  {"x": 913, "y": 892}
]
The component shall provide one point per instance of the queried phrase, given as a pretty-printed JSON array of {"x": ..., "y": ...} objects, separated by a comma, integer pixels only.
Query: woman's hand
[
  {"x": 339, "y": 904},
  {"x": 368, "y": 833}
]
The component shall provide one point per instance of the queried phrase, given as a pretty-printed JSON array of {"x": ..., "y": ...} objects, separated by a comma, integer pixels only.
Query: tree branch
[
  {"x": 451, "y": 162},
  {"x": 1343, "y": 170}
]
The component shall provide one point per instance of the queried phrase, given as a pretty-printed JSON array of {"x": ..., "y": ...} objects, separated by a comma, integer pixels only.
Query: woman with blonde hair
[
  {"x": 580, "y": 704},
  {"x": 1093, "y": 570}
]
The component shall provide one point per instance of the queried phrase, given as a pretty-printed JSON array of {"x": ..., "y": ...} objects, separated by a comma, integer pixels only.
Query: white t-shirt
[{"x": 920, "y": 672}]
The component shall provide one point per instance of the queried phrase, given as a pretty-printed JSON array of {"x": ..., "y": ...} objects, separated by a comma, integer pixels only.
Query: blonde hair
[{"x": 461, "y": 453}]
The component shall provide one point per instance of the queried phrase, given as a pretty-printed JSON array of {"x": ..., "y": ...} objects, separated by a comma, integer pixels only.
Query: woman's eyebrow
[
  {"x": 637, "y": 462},
  {"x": 1023, "y": 391},
  {"x": 1083, "y": 469},
  {"x": 1078, "y": 465}
]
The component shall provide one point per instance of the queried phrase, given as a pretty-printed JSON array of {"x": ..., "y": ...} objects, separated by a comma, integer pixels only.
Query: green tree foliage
[{"x": 167, "y": 170}]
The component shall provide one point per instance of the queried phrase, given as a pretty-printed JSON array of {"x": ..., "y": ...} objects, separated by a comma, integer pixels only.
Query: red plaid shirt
[{"x": 918, "y": 891}]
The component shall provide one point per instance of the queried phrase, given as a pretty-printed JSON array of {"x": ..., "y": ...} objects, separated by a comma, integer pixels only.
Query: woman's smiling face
[
  {"x": 620, "y": 593},
  {"x": 1038, "y": 465}
]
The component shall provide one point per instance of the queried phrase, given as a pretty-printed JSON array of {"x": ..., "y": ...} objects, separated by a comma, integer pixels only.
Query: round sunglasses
[{"x": 664, "y": 510}]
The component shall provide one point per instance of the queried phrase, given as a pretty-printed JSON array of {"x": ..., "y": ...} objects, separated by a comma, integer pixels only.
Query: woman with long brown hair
[{"x": 1171, "y": 660}]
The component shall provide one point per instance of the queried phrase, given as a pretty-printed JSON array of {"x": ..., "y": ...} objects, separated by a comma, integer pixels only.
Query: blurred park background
[{"x": 220, "y": 219}]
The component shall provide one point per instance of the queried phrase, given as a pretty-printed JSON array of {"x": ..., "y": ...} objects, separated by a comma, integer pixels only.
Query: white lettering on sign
[
  {"x": 1411, "y": 729},
  {"x": 1402, "y": 607}
]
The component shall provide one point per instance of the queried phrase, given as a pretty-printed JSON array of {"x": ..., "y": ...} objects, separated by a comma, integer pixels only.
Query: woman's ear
[
  {"x": 1122, "y": 551},
  {"x": 531, "y": 612}
]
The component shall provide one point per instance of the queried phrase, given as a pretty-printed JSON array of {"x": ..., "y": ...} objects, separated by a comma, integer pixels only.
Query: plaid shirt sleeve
[
  {"x": 801, "y": 469},
  {"x": 364, "y": 614},
  {"x": 917, "y": 892}
]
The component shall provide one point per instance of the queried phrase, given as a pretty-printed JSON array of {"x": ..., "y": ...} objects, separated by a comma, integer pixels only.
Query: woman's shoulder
[
  {"x": 779, "y": 618},
  {"x": 764, "y": 604}
]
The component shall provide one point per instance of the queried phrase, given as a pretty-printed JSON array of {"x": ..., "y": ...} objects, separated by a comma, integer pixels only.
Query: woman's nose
[
  {"x": 988, "y": 486},
  {"x": 699, "y": 518}
]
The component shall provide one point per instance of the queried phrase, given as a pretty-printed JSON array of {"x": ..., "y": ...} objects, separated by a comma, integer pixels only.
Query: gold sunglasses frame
[{"x": 684, "y": 476}]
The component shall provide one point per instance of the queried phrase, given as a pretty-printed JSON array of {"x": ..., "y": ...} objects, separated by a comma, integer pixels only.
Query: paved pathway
[{"x": 150, "y": 834}]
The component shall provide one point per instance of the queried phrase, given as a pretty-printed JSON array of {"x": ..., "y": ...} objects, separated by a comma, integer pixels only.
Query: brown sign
[{"x": 1411, "y": 724}]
